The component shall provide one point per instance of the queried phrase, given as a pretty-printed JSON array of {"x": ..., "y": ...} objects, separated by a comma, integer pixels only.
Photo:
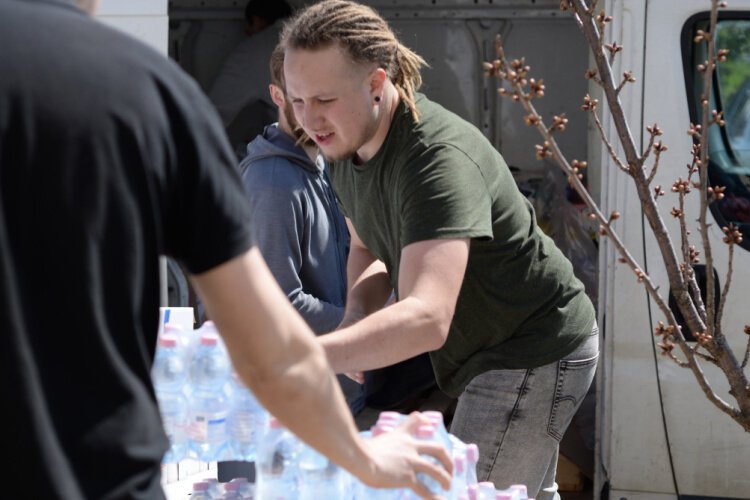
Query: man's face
[
  {"x": 297, "y": 130},
  {"x": 331, "y": 99}
]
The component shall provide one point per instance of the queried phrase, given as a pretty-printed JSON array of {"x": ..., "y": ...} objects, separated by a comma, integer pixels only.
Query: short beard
[{"x": 365, "y": 136}]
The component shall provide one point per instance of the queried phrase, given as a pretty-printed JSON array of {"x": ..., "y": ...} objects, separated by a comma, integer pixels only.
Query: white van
[{"x": 657, "y": 436}]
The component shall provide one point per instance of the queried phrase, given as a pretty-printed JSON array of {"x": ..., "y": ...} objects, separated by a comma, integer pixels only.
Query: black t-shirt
[{"x": 109, "y": 157}]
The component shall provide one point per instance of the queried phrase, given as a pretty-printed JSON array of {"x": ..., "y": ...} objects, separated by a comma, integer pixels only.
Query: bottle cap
[
  {"x": 459, "y": 464},
  {"x": 486, "y": 489},
  {"x": 167, "y": 340},
  {"x": 232, "y": 486},
  {"x": 390, "y": 415},
  {"x": 275, "y": 424},
  {"x": 521, "y": 488},
  {"x": 172, "y": 328},
  {"x": 380, "y": 428},
  {"x": 200, "y": 486},
  {"x": 209, "y": 339},
  {"x": 434, "y": 415},
  {"x": 425, "y": 431}
]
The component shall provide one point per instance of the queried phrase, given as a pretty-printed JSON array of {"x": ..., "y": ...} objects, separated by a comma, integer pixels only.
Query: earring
[{"x": 377, "y": 98}]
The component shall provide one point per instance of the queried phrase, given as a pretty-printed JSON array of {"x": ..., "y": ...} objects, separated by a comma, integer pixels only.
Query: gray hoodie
[{"x": 297, "y": 226}]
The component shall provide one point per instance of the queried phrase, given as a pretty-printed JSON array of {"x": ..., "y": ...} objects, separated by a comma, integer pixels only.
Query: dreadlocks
[{"x": 365, "y": 36}]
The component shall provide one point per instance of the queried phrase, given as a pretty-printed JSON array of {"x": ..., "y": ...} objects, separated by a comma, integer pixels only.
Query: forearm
[
  {"x": 275, "y": 354},
  {"x": 319, "y": 415},
  {"x": 430, "y": 278},
  {"x": 395, "y": 333},
  {"x": 368, "y": 285}
]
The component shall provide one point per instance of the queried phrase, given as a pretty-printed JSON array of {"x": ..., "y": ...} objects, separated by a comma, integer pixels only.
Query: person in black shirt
[{"x": 109, "y": 157}]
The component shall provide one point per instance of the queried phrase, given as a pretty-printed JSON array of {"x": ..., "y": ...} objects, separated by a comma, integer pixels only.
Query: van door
[
  {"x": 660, "y": 436},
  {"x": 144, "y": 19}
]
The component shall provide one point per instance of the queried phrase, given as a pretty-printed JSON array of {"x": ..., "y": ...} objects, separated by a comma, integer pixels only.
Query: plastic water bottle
[
  {"x": 472, "y": 491},
  {"x": 458, "y": 484},
  {"x": 392, "y": 416},
  {"x": 245, "y": 489},
  {"x": 436, "y": 418},
  {"x": 319, "y": 477},
  {"x": 247, "y": 422},
  {"x": 515, "y": 492},
  {"x": 276, "y": 464},
  {"x": 472, "y": 458},
  {"x": 429, "y": 433},
  {"x": 519, "y": 491},
  {"x": 364, "y": 492},
  {"x": 200, "y": 491},
  {"x": 209, "y": 372},
  {"x": 232, "y": 491},
  {"x": 215, "y": 489},
  {"x": 183, "y": 337},
  {"x": 169, "y": 374},
  {"x": 486, "y": 491}
]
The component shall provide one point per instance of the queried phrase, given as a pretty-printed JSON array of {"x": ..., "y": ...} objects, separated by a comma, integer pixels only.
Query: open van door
[
  {"x": 144, "y": 19},
  {"x": 148, "y": 21},
  {"x": 660, "y": 436}
]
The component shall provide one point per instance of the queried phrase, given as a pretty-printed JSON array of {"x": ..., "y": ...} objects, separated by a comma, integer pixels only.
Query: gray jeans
[{"x": 518, "y": 417}]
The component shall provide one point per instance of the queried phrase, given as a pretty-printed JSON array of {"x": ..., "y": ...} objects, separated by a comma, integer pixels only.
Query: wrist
[{"x": 362, "y": 462}]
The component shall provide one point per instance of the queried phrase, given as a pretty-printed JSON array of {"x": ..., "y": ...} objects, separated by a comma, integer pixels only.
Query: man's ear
[
  {"x": 277, "y": 95},
  {"x": 377, "y": 81}
]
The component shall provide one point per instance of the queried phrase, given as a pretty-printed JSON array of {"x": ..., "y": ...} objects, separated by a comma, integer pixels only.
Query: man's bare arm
[
  {"x": 275, "y": 354},
  {"x": 430, "y": 278},
  {"x": 368, "y": 286}
]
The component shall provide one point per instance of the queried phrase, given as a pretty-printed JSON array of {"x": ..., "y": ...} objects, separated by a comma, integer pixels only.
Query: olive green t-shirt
[{"x": 520, "y": 306}]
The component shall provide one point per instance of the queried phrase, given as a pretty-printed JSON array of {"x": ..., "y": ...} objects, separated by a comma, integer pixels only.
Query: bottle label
[
  {"x": 243, "y": 425},
  {"x": 209, "y": 427},
  {"x": 175, "y": 427}
]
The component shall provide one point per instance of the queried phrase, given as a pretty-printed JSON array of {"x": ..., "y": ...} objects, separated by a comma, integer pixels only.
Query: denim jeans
[{"x": 518, "y": 417}]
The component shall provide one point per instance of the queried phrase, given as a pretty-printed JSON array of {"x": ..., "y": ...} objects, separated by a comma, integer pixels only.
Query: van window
[{"x": 729, "y": 147}]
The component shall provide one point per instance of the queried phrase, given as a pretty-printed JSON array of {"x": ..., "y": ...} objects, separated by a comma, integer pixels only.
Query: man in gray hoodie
[{"x": 296, "y": 221}]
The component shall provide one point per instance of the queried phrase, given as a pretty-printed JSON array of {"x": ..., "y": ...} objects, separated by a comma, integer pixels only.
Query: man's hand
[{"x": 397, "y": 461}]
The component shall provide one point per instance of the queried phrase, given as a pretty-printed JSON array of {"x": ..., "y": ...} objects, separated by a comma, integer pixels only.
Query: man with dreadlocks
[{"x": 436, "y": 216}]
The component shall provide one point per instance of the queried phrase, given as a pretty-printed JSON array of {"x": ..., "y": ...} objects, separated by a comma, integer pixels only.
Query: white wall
[{"x": 146, "y": 20}]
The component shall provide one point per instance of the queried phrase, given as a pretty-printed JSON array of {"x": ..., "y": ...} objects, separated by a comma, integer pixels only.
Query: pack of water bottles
[
  {"x": 288, "y": 469},
  {"x": 208, "y": 414},
  {"x": 211, "y": 489},
  {"x": 464, "y": 484}
]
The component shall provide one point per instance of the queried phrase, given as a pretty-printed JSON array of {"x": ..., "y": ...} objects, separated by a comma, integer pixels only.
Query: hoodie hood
[{"x": 274, "y": 142}]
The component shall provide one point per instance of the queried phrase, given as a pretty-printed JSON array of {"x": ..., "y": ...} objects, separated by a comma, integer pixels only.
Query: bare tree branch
[
  {"x": 703, "y": 165},
  {"x": 681, "y": 275},
  {"x": 727, "y": 282},
  {"x": 606, "y": 142}
]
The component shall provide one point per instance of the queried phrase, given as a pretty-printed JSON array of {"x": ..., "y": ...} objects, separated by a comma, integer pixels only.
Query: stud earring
[{"x": 377, "y": 98}]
